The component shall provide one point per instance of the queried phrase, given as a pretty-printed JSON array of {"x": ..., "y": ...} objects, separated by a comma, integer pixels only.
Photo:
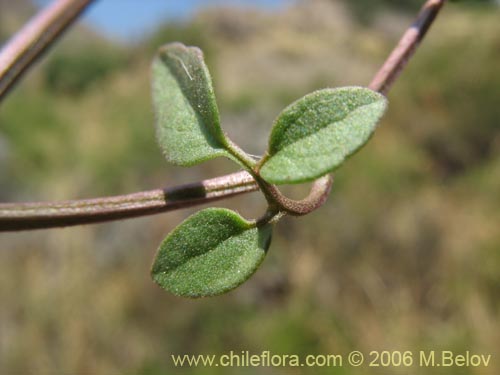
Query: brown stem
[
  {"x": 34, "y": 38},
  {"x": 316, "y": 198},
  {"x": 21, "y": 216},
  {"x": 406, "y": 47}
]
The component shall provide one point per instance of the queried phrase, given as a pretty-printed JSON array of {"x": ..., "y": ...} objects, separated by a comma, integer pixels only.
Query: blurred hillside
[{"x": 405, "y": 255}]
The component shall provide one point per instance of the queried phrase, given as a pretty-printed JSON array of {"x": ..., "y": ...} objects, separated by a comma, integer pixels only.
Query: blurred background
[{"x": 405, "y": 255}]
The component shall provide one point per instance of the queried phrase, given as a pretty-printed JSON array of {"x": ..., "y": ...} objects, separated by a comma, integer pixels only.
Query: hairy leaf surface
[
  {"x": 187, "y": 118},
  {"x": 210, "y": 253},
  {"x": 315, "y": 134}
]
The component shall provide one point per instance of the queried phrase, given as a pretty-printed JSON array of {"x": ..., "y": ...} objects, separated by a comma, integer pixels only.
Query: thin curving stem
[
  {"x": 406, "y": 47},
  {"x": 37, "y": 215},
  {"x": 34, "y": 38},
  {"x": 21, "y": 216}
]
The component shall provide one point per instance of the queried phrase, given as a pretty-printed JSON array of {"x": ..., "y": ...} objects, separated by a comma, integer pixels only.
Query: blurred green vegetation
[
  {"x": 404, "y": 256},
  {"x": 73, "y": 73}
]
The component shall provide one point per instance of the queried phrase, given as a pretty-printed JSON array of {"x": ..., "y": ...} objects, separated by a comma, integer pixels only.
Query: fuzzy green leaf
[
  {"x": 187, "y": 118},
  {"x": 314, "y": 135},
  {"x": 210, "y": 253}
]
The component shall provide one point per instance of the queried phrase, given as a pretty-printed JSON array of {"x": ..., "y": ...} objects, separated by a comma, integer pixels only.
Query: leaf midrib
[
  {"x": 351, "y": 113},
  {"x": 206, "y": 252}
]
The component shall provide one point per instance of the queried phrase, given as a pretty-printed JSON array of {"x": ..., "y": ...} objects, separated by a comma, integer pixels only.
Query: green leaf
[
  {"x": 187, "y": 118},
  {"x": 314, "y": 135},
  {"x": 210, "y": 253}
]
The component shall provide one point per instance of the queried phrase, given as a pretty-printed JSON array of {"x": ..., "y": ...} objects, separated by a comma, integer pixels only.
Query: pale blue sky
[{"x": 129, "y": 19}]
